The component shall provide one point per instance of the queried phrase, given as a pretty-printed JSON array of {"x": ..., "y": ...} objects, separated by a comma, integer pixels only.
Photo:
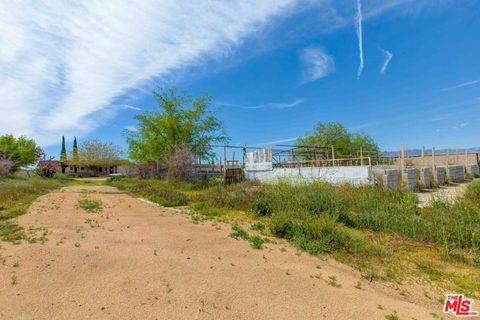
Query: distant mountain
[{"x": 418, "y": 152}]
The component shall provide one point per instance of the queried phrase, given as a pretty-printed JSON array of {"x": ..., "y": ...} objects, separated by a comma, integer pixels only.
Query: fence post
[
  {"x": 225, "y": 162},
  {"x": 423, "y": 156},
  {"x": 402, "y": 159},
  {"x": 433, "y": 158},
  {"x": 244, "y": 155},
  {"x": 333, "y": 156},
  {"x": 361, "y": 156}
]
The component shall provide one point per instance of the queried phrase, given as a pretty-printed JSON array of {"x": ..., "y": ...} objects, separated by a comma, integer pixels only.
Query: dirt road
[{"x": 133, "y": 260}]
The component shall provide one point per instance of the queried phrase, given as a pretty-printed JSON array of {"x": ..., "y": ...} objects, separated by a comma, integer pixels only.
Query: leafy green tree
[
  {"x": 20, "y": 151},
  {"x": 337, "y": 135},
  {"x": 179, "y": 122}
]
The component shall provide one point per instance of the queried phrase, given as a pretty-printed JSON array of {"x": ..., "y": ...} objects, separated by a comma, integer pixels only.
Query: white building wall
[{"x": 335, "y": 175}]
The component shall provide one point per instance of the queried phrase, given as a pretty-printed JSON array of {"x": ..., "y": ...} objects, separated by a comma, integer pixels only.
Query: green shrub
[
  {"x": 258, "y": 226},
  {"x": 256, "y": 242},
  {"x": 322, "y": 234},
  {"x": 281, "y": 225},
  {"x": 261, "y": 208},
  {"x": 238, "y": 232}
]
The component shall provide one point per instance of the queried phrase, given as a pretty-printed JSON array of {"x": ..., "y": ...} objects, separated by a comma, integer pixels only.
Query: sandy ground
[
  {"x": 147, "y": 262},
  {"x": 449, "y": 193}
]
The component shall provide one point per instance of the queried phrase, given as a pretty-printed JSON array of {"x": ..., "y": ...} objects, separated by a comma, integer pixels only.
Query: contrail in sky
[
  {"x": 358, "y": 26},
  {"x": 389, "y": 57}
]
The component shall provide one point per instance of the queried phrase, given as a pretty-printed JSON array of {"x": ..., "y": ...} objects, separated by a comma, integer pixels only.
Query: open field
[{"x": 133, "y": 260}]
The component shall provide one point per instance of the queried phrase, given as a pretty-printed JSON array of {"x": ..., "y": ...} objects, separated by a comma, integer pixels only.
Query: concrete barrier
[
  {"x": 389, "y": 176},
  {"x": 456, "y": 173},
  {"x": 410, "y": 178},
  {"x": 473, "y": 170},
  {"x": 425, "y": 177},
  {"x": 440, "y": 175}
]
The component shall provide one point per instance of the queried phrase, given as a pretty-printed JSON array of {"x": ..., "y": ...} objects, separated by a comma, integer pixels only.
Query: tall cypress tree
[
  {"x": 75, "y": 154},
  {"x": 75, "y": 151},
  {"x": 63, "y": 155}
]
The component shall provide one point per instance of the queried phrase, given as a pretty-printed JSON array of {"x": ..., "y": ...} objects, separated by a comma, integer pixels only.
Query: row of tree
[
  {"x": 91, "y": 153},
  {"x": 183, "y": 123},
  {"x": 21, "y": 152},
  {"x": 179, "y": 130}
]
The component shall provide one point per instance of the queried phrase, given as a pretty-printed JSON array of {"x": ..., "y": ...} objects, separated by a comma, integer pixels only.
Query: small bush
[
  {"x": 281, "y": 225},
  {"x": 46, "y": 171},
  {"x": 256, "y": 242},
  {"x": 320, "y": 235},
  {"x": 238, "y": 232},
  {"x": 473, "y": 192},
  {"x": 258, "y": 226},
  {"x": 261, "y": 208}
]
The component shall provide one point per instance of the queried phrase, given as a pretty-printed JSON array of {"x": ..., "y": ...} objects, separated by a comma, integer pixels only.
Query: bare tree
[
  {"x": 179, "y": 165},
  {"x": 6, "y": 166}
]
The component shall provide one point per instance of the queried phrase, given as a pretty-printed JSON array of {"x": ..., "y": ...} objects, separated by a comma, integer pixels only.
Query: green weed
[
  {"x": 238, "y": 232},
  {"x": 392, "y": 316},
  {"x": 89, "y": 205},
  {"x": 256, "y": 242}
]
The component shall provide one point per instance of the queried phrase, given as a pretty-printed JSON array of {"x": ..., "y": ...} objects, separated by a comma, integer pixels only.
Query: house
[{"x": 95, "y": 164}]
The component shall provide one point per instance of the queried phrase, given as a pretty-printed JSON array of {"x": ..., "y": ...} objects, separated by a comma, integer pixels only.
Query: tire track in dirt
[{"x": 134, "y": 260}]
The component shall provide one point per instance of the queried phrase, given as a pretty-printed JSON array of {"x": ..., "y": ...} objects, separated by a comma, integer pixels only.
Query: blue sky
[{"x": 273, "y": 68}]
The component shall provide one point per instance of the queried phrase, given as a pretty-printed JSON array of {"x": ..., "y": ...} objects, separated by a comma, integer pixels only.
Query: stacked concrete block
[
  {"x": 390, "y": 178},
  {"x": 456, "y": 173},
  {"x": 425, "y": 177},
  {"x": 473, "y": 170},
  {"x": 410, "y": 178},
  {"x": 440, "y": 175}
]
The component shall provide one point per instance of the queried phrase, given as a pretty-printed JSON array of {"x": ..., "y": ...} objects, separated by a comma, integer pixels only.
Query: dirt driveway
[{"x": 137, "y": 261}]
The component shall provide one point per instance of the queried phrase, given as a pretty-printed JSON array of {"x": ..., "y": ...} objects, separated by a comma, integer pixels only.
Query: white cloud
[
  {"x": 358, "y": 28},
  {"x": 464, "y": 124},
  {"x": 64, "y": 63},
  {"x": 268, "y": 105},
  {"x": 388, "y": 57},
  {"x": 316, "y": 64}
]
